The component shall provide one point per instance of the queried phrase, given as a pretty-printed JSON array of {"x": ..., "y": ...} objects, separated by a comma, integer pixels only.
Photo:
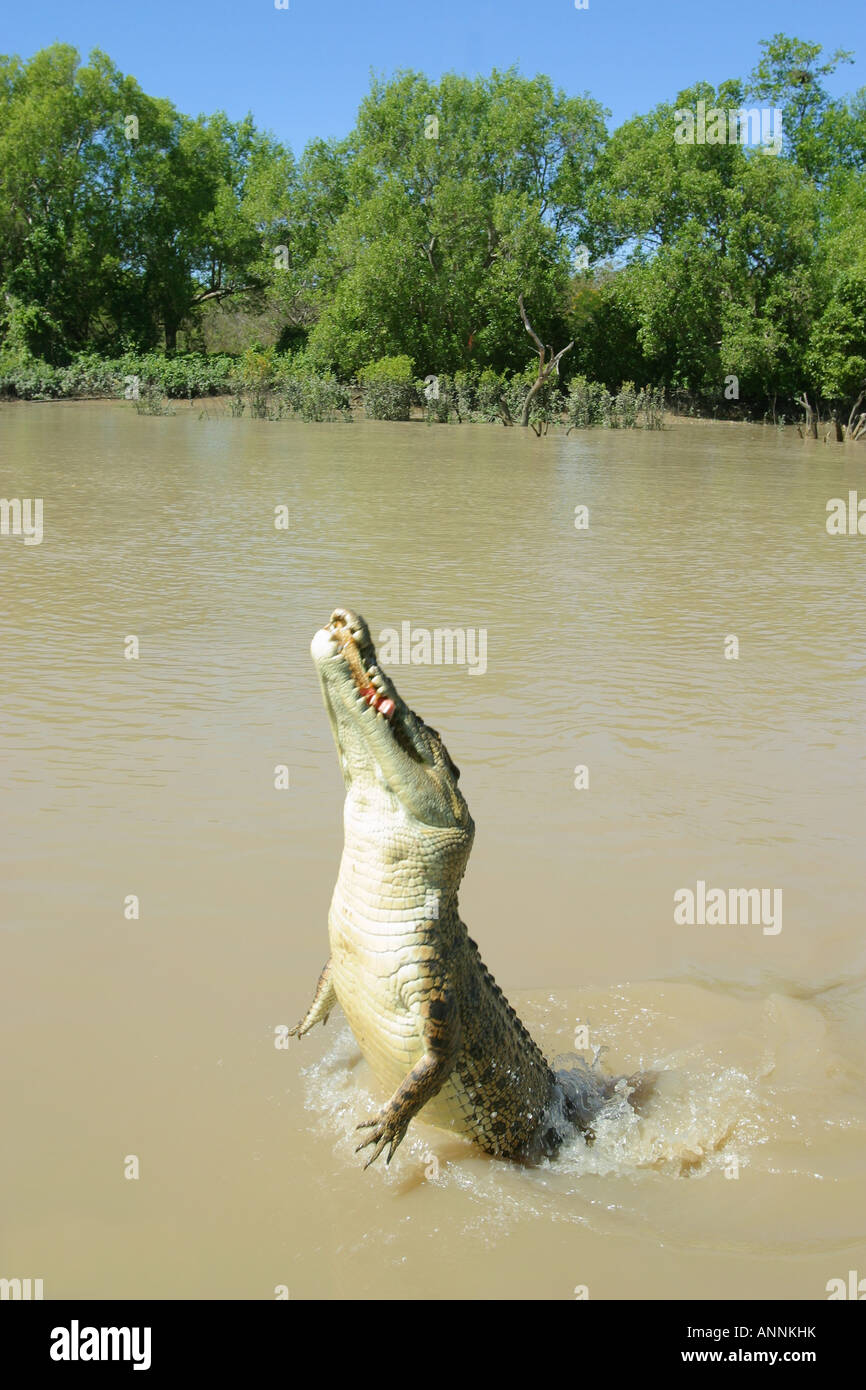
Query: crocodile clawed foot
[
  {"x": 300, "y": 1029},
  {"x": 388, "y": 1129},
  {"x": 304, "y": 1026}
]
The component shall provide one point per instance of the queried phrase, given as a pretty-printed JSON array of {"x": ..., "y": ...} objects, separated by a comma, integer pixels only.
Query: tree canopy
[{"x": 675, "y": 264}]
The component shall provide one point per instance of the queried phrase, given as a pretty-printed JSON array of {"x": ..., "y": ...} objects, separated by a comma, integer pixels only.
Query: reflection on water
[{"x": 606, "y": 651}]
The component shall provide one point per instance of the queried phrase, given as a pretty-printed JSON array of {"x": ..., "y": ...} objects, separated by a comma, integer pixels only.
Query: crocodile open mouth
[
  {"x": 376, "y": 691},
  {"x": 355, "y": 647},
  {"x": 376, "y": 733}
]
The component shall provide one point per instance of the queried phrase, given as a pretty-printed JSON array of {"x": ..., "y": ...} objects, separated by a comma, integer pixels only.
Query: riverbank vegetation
[{"x": 475, "y": 249}]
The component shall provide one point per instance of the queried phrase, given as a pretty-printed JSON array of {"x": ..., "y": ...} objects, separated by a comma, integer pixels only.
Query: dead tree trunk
[
  {"x": 546, "y": 364},
  {"x": 811, "y": 421},
  {"x": 854, "y": 426}
]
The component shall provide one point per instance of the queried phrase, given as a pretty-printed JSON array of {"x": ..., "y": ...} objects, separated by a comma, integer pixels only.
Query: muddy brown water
[{"x": 605, "y": 649}]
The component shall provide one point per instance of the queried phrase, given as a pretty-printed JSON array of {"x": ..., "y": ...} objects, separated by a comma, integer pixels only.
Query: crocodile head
[{"x": 383, "y": 745}]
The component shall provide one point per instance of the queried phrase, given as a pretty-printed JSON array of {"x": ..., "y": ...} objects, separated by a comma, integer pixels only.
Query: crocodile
[{"x": 436, "y": 1029}]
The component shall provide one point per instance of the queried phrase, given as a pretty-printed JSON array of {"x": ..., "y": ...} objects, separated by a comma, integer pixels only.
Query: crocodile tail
[{"x": 576, "y": 1096}]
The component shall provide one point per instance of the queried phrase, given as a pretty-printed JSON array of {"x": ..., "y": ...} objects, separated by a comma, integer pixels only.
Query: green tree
[
  {"x": 717, "y": 243},
  {"x": 459, "y": 196},
  {"x": 193, "y": 214},
  {"x": 788, "y": 76},
  {"x": 120, "y": 216},
  {"x": 835, "y": 361},
  {"x": 61, "y": 253}
]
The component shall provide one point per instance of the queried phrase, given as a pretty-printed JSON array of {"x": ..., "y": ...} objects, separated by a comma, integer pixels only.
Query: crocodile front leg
[
  {"x": 442, "y": 1034},
  {"x": 323, "y": 1002}
]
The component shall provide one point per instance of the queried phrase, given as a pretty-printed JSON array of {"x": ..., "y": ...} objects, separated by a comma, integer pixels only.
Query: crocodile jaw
[{"x": 381, "y": 742}]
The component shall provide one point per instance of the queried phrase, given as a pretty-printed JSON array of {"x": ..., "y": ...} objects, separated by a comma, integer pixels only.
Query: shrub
[
  {"x": 185, "y": 374},
  {"x": 27, "y": 378},
  {"x": 316, "y": 397},
  {"x": 388, "y": 388},
  {"x": 438, "y": 398},
  {"x": 626, "y": 406},
  {"x": 275, "y": 385},
  {"x": 151, "y": 401},
  {"x": 515, "y": 390},
  {"x": 91, "y": 375},
  {"x": 465, "y": 390},
  {"x": 547, "y": 403},
  {"x": 651, "y": 407},
  {"x": 590, "y": 403},
  {"x": 488, "y": 395}
]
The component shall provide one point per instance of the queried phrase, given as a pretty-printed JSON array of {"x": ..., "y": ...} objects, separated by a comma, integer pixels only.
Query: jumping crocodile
[{"x": 436, "y": 1029}]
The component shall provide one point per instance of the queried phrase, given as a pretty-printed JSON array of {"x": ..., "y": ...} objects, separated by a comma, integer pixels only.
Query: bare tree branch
[
  {"x": 528, "y": 326},
  {"x": 545, "y": 366},
  {"x": 855, "y": 407},
  {"x": 226, "y": 291}
]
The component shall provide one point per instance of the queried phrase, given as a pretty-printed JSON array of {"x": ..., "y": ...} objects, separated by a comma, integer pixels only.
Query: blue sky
[{"x": 302, "y": 71}]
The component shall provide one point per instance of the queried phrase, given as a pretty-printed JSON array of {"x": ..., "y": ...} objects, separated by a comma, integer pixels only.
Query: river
[{"x": 158, "y": 1142}]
